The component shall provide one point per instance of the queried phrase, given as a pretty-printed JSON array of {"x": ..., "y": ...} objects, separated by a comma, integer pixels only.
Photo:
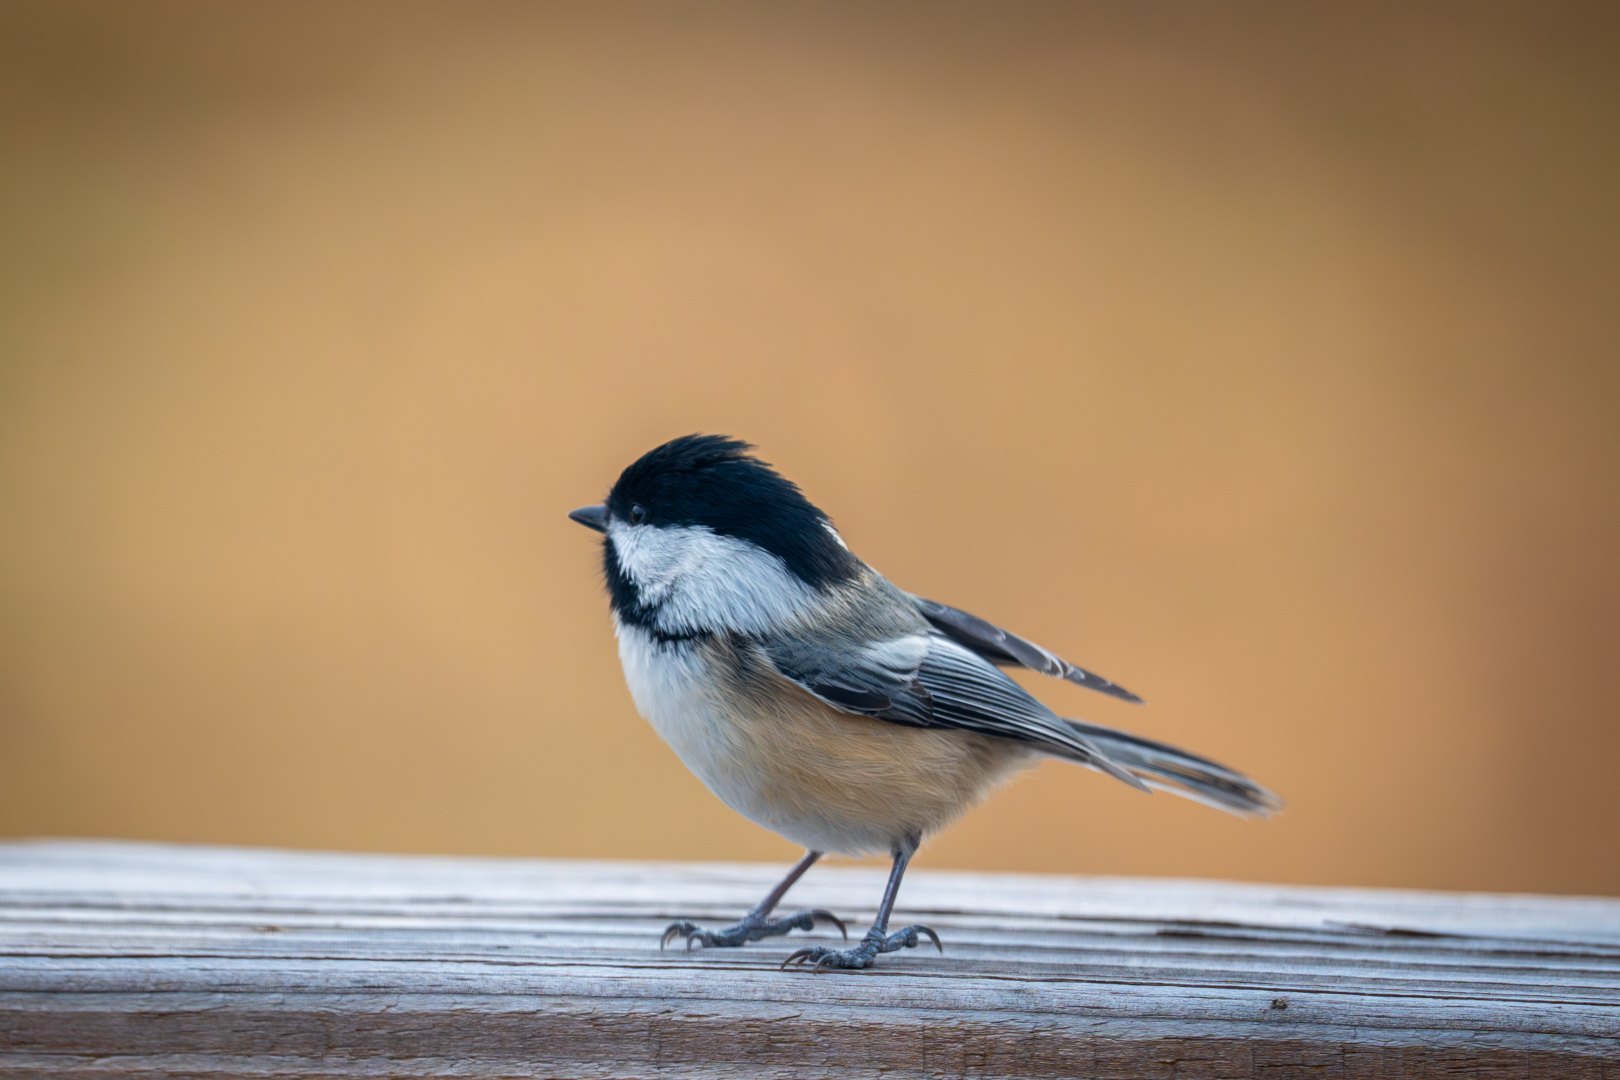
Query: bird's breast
[
  {"x": 679, "y": 688},
  {"x": 785, "y": 759}
]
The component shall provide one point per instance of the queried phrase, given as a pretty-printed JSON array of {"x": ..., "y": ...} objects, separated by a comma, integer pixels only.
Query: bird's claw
[
  {"x": 825, "y": 916},
  {"x": 751, "y": 928},
  {"x": 675, "y": 930},
  {"x": 820, "y": 958}
]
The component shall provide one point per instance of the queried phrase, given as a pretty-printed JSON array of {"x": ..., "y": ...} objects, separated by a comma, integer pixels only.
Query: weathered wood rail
[{"x": 153, "y": 960}]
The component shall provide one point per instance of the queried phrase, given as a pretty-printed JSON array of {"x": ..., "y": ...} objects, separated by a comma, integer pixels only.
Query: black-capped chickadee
[{"x": 817, "y": 699}]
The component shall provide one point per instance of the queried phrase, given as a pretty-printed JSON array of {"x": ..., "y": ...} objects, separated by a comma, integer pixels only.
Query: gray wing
[
  {"x": 880, "y": 679},
  {"x": 1006, "y": 649},
  {"x": 928, "y": 680}
]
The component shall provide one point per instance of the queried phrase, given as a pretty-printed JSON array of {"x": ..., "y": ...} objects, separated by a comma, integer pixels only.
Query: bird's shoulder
[{"x": 860, "y": 649}]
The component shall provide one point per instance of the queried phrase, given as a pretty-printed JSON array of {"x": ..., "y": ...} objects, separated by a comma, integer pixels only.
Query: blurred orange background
[{"x": 1262, "y": 357}]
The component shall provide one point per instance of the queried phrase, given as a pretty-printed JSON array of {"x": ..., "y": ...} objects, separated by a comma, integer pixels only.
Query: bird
[{"x": 819, "y": 700}]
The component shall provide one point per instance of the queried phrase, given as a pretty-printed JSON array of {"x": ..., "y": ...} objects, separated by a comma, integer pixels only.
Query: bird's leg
[
  {"x": 878, "y": 939},
  {"x": 758, "y": 924}
]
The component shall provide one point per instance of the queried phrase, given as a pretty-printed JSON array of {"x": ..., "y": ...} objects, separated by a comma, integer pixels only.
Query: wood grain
[{"x": 153, "y": 960}]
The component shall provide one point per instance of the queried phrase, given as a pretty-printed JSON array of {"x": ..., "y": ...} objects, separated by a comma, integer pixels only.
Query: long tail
[{"x": 1169, "y": 769}]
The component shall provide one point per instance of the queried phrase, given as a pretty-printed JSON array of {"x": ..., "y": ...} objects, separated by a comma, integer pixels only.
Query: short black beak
[{"x": 592, "y": 517}]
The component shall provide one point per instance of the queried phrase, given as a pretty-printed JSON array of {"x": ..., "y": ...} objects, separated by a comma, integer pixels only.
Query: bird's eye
[{"x": 638, "y": 514}]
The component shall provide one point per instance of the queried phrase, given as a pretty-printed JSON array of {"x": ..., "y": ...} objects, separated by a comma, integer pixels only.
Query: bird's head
[{"x": 703, "y": 537}]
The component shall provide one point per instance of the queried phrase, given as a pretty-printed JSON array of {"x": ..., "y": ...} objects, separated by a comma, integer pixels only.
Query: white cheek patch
[{"x": 695, "y": 580}]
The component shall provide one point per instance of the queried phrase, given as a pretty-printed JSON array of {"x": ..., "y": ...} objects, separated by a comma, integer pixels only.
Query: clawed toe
[
  {"x": 823, "y": 915},
  {"x": 752, "y": 928},
  {"x": 804, "y": 956},
  {"x": 678, "y": 929},
  {"x": 908, "y": 939},
  {"x": 820, "y": 958}
]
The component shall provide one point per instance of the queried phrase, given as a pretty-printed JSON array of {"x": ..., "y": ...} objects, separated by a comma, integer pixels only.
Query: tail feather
[{"x": 1169, "y": 769}]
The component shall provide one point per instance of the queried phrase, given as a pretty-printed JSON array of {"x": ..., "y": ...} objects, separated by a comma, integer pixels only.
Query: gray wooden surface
[{"x": 153, "y": 960}]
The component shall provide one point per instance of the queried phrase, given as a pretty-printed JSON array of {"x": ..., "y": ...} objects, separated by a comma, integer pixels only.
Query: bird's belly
[{"x": 781, "y": 757}]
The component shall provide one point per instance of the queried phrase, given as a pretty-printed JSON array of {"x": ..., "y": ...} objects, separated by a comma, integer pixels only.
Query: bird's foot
[
  {"x": 753, "y": 928},
  {"x": 861, "y": 956}
]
